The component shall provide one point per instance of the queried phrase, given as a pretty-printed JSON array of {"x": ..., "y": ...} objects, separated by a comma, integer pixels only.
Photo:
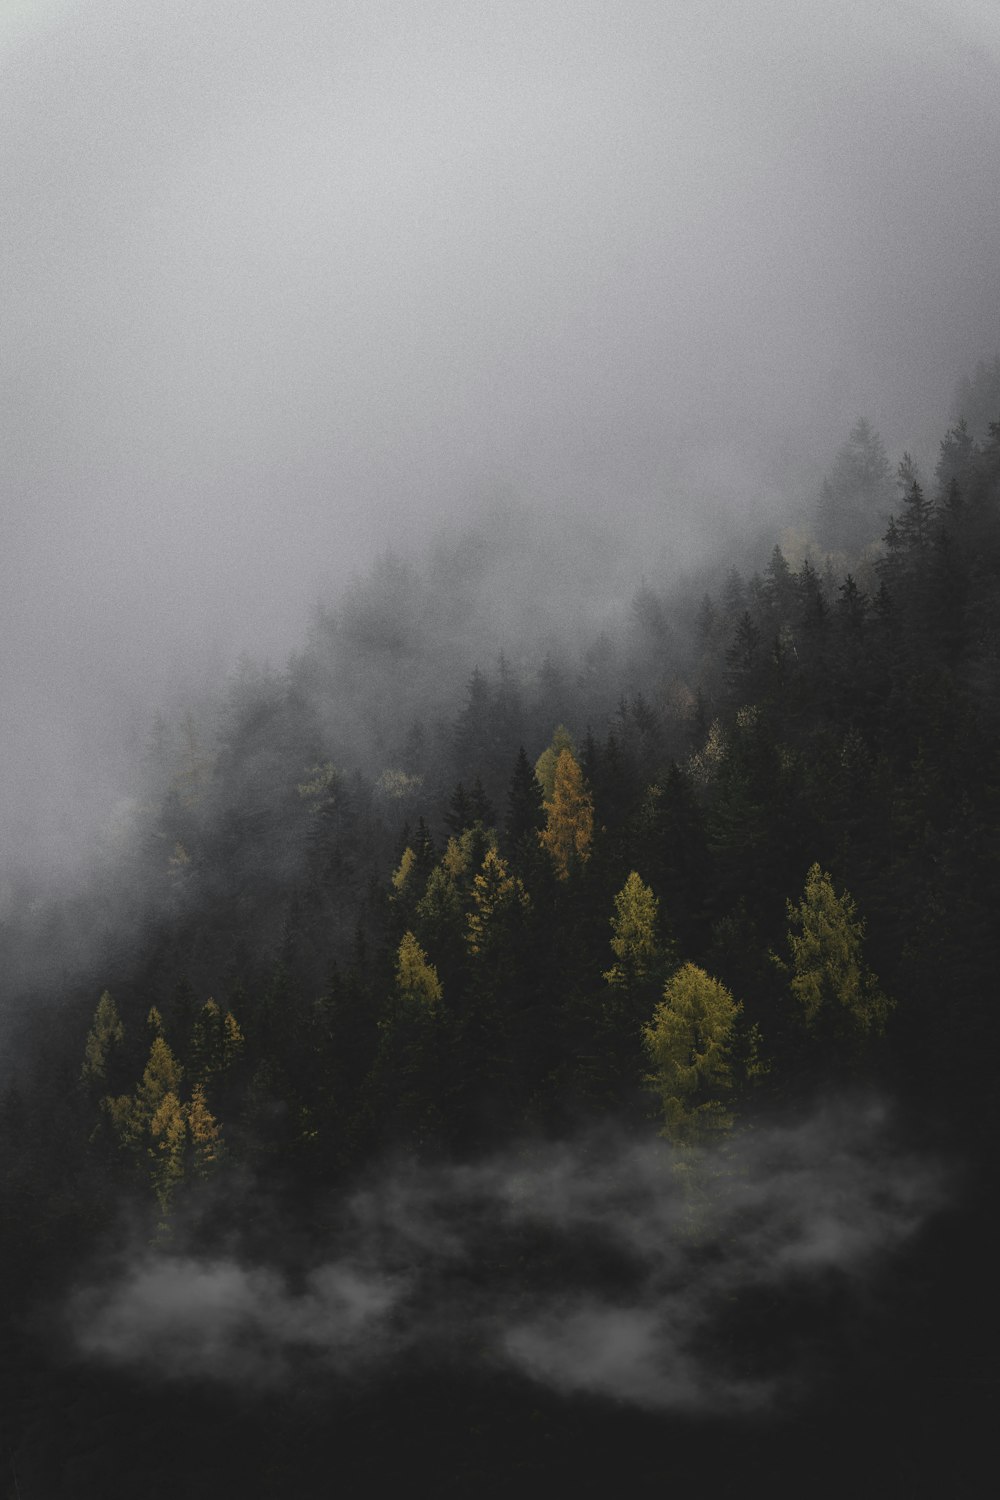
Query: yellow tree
[
  {"x": 499, "y": 899},
  {"x": 161, "y": 1076},
  {"x": 545, "y": 766},
  {"x": 168, "y": 1138},
  {"x": 206, "y": 1137},
  {"x": 569, "y": 818},
  {"x": 688, "y": 1044},
  {"x": 105, "y": 1034},
  {"x": 417, "y": 982},
  {"x": 233, "y": 1040},
  {"x": 405, "y": 870},
  {"x": 634, "y": 943},
  {"x": 828, "y": 976},
  {"x": 216, "y": 1042}
]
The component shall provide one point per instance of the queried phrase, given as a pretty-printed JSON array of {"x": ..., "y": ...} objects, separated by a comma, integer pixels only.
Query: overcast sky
[{"x": 284, "y": 281}]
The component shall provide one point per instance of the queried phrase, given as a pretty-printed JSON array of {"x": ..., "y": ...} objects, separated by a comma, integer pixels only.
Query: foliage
[
  {"x": 569, "y": 818},
  {"x": 635, "y": 943},
  {"x": 825, "y": 938},
  {"x": 689, "y": 1045},
  {"x": 106, "y": 1033},
  {"x": 417, "y": 982}
]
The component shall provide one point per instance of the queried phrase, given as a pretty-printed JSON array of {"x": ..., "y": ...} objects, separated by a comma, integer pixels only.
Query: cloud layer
[
  {"x": 291, "y": 282},
  {"x": 602, "y": 1266}
]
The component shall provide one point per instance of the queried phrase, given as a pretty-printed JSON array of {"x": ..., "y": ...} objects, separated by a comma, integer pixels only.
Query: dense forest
[{"x": 571, "y": 1065}]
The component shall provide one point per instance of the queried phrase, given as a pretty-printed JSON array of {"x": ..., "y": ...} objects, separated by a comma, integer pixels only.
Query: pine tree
[
  {"x": 828, "y": 977},
  {"x": 207, "y": 1043},
  {"x": 525, "y": 810},
  {"x": 688, "y": 1043},
  {"x": 743, "y": 657},
  {"x": 401, "y": 875},
  {"x": 206, "y": 1136},
  {"x": 161, "y": 1076},
  {"x": 858, "y": 492},
  {"x": 916, "y": 522},
  {"x": 417, "y": 982},
  {"x": 545, "y": 766},
  {"x": 569, "y": 826},
  {"x": 635, "y": 943},
  {"x": 459, "y": 814},
  {"x": 779, "y": 589},
  {"x": 105, "y": 1035},
  {"x": 168, "y": 1137},
  {"x": 501, "y": 902}
]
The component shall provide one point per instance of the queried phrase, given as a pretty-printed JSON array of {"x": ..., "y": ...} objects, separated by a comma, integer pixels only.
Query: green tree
[
  {"x": 688, "y": 1043},
  {"x": 545, "y": 766},
  {"x": 635, "y": 942},
  {"x": 525, "y": 811},
  {"x": 105, "y": 1035},
  {"x": 827, "y": 974},
  {"x": 500, "y": 901}
]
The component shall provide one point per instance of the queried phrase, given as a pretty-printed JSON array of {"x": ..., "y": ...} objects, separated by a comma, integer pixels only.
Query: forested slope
[{"x": 730, "y": 865}]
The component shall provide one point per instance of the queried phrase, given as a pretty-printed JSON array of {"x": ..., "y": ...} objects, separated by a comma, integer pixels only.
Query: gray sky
[{"x": 284, "y": 282}]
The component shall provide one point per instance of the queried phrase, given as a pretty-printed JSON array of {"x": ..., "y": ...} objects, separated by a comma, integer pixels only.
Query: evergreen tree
[
  {"x": 858, "y": 493},
  {"x": 689, "y": 1045},
  {"x": 635, "y": 943},
  {"x": 417, "y": 983},
  {"x": 206, "y": 1136},
  {"x": 105, "y": 1035},
  {"x": 569, "y": 826},
  {"x": 500, "y": 903},
  {"x": 545, "y": 766},
  {"x": 525, "y": 810},
  {"x": 828, "y": 977},
  {"x": 166, "y": 1151}
]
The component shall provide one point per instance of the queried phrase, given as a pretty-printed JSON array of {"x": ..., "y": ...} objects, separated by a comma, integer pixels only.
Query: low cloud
[{"x": 602, "y": 1266}]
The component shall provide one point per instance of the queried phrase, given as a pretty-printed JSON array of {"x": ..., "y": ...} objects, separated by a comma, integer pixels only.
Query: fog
[
  {"x": 599, "y": 1266},
  {"x": 289, "y": 284}
]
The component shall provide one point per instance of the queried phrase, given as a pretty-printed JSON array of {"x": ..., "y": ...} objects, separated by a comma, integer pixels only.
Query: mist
[
  {"x": 600, "y": 1266},
  {"x": 287, "y": 286}
]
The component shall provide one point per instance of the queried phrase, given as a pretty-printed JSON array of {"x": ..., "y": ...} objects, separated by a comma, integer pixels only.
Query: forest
[{"x": 573, "y": 1065}]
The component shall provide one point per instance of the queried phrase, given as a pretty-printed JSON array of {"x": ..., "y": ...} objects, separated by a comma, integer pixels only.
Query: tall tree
[
  {"x": 569, "y": 825},
  {"x": 105, "y": 1035},
  {"x": 828, "y": 977},
  {"x": 689, "y": 1045}
]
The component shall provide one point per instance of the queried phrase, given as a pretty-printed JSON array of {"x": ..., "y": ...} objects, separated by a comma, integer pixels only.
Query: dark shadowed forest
[{"x": 538, "y": 1056}]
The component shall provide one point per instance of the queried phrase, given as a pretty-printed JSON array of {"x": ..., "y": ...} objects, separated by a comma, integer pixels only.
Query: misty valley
[{"x": 495, "y": 1053}]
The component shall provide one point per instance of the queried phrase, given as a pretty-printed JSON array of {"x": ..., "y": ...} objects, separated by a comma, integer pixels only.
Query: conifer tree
[
  {"x": 525, "y": 810},
  {"x": 459, "y": 814},
  {"x": 688, "y": 1043},
  {"x": 916, "y": 521},
  {"x": 206, "y": 1136},
  {"x": 635, "y": 943},
  {"x": 500, "y": 902},
  {"x": 161, "y": 1076},
  {"x": 207, "y": 1043},
  {"x": 417, "y": 982},
  {"x": 545, "y": 766},
  {"x": 233, "y": 1040},
  {"x": 168, "y": 1138},
  {"x": 401, "y": 875},
  {"x": 827, "y": 974},
  {"x": 569, "y": 825},
  {"x": 105, "y": 1035}
]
